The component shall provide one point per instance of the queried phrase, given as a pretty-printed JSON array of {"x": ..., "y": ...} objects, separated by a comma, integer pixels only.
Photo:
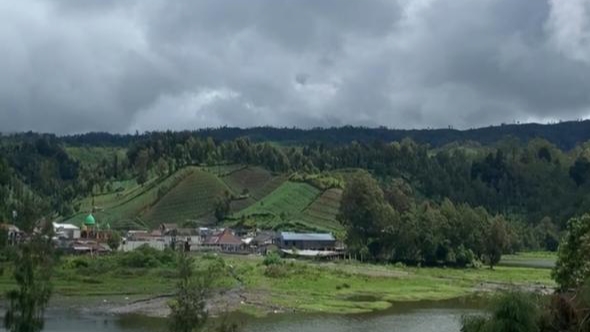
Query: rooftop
[
  {"x": 290, "y": 236},
  {"x": 65, "y": 226}
]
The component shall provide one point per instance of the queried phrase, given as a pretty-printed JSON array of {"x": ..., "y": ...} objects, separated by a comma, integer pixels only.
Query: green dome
[{"x": 90, "y": 220}]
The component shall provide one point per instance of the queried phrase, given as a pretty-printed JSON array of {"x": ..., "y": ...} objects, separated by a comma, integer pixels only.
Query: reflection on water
[{"x": 404, "y": 317}]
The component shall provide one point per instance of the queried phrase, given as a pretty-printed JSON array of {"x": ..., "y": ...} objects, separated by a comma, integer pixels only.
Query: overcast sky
[{"x": 70, "y": 66}]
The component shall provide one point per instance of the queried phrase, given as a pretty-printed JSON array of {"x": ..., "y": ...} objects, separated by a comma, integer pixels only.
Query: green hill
[{"x": 190, "y": 194}]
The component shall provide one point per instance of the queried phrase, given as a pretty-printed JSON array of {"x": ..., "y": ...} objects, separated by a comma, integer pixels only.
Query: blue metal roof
[{"x": 290, "y": 236}]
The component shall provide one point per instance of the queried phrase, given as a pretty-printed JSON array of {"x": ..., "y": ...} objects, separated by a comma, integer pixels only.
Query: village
[{"x": 92, "y": 239}]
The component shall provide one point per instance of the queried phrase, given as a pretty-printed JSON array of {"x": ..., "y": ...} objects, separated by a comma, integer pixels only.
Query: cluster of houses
[
  {"x": 90, "y": 239},
  {"x": 236, "y": 241}
]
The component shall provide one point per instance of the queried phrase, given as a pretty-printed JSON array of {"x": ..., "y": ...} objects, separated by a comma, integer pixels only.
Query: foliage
[
  {"x": 573, "y": 262},
  {"x": 320, "y": 181},
  {"x": 114, "y": 241},
  {"x": 32, "y": 272},
  {"x": 272, "y": 258},
  {"x": 222, "y": 206},
  {"x": 420, "y": 234},
  {"x": 188, "y": 310},
  {"x": 364, "y": 213},
  {"x": 496, "y": 241},
  {"x": 513, "y": 312},
  {"x": 33, "y": 262}
]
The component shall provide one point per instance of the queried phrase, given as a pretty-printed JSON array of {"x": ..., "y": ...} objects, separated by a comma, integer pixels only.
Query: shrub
[{"x": 272, "y": 258}]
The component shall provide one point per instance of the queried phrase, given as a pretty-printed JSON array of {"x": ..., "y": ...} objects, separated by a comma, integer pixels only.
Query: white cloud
[{"x": 569, "y": 26}]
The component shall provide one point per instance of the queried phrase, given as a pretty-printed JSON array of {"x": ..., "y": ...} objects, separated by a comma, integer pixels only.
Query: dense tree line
[
  {"x": 387, "y": 227},
  {"x": 565, "y": 135},
  {"x": 37, "y": 165}
]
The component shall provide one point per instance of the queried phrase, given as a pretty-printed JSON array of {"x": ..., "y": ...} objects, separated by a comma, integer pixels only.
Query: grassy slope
[{"x": 194, "y": 197}]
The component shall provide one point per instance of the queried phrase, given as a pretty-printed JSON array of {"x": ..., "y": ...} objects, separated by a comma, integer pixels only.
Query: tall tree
[
  {"x": 573, "y": 262},
  {"x": 33, "y": 266},
  {"x": 496, "y": 241},
  {"x": 188, "y": 309},
  {"x": 365, "y": 214}
]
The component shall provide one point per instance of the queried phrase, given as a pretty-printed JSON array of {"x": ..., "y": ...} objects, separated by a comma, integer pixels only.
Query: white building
[{"x": 67, "y": 231}]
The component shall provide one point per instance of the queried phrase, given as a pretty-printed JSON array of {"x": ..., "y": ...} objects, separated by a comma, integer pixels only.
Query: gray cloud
[{"x": 73, "y": 66}]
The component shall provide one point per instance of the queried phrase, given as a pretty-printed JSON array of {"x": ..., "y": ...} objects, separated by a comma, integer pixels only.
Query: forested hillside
[{"x": 536, "y": 184}]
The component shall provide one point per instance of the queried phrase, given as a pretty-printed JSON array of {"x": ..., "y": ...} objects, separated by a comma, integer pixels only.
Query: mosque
[{"x": 92, "y": 230}]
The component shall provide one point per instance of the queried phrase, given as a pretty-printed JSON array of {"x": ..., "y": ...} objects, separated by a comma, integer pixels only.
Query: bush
[
  {"x": 513, "y": 312},
  {"x": 272, "y": 258}
]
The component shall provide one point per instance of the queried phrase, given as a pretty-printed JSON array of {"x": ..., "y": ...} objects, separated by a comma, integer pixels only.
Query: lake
[{"x": 441, "y": 316}]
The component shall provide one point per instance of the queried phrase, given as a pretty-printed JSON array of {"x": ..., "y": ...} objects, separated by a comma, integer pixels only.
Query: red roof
[{"x": 224, "y": 238}]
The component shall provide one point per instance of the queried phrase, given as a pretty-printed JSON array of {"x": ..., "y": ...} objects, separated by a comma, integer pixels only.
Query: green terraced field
[
  {"x": 121, "y": 209},
  {"x": 290, "y": 199},
  {"x": 191, "y": 199},
  {"x": 323, "y": 211},
  {"x": 252, "y": 179},
  {"x": 269, "y": 187}
]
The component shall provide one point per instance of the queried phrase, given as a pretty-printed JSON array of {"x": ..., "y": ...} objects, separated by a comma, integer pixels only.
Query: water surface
[{"x": 403, "y": 317}]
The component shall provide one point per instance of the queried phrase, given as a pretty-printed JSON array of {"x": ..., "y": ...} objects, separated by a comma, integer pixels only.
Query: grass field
[
  {"x": 191, "y": 199},
  {"x": 545, "y": 260},
  {"x": 353, "y": 288},
  {"x": 323, "y": 211},
  {"x": 302, "y": 286}
]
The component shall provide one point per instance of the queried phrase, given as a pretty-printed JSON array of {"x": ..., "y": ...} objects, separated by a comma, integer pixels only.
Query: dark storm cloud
[{"x": 72, "y": 66}]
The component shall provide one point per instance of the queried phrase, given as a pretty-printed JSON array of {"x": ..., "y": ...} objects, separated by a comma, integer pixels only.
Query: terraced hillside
[
  {"x": 255, "y": 181},
  {"x": 190, "y": 194},
  {"x": 191, "y": 199},
  {"x": 289, "y": 200},
  {"x": 121, "y": 209},
  {"x": 323, "y": 211},
  {"x": 250, "y": 179}
]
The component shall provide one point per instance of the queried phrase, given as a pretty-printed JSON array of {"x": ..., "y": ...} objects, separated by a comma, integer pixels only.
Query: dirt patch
[{"x": 490, "y": 287}]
